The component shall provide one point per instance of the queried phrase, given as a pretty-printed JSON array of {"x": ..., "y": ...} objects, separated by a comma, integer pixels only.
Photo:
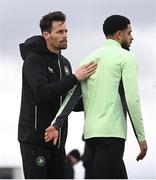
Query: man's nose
[{"x": 65, "y": 35}]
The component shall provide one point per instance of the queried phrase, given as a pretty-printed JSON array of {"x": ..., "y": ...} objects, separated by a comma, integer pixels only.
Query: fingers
[
  {"x": 90, "y": 70},
  {"x": 51, "y": 134},
  {"x": 85, "y": 71},
  {"x": 55, "y": 141},
  {"x": 141, "y": 155},
  {"x": 143, "y": 150},
  {"x": 138, "y": 157},
  {"x": 47, "y": 137},
  {"x": 91, "y": 64},
  {"x": 89, "y": 74}
]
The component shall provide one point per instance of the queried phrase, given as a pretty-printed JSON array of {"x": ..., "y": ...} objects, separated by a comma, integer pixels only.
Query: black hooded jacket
[{"x": 47, "y": 78}]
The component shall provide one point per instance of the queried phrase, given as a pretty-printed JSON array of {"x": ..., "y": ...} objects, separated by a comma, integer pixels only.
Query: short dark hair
[
  {"x": 115, "y": 23},
  {"x": 47, "y": 20}
]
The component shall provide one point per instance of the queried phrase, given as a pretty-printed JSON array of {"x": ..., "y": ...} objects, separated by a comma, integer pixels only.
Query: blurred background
[{"x": 20, "y": 19}]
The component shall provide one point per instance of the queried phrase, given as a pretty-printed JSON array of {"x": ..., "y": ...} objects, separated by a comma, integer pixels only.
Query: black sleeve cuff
[
  {"x": 56, "y": 126},
  {"x": 74, "y": 78}
]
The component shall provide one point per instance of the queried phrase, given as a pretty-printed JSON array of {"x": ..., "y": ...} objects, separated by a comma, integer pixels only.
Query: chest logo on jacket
[
  {"x": 51, "y": 70},
  {"x": 66, "y": 70}
]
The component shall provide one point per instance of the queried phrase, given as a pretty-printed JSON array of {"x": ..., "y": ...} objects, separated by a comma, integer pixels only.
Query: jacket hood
[{"x": 35, "y": 44}]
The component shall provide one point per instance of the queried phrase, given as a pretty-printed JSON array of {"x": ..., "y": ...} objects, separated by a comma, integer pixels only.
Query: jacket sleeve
[
  {"x": 79, "y": 106},
  {"x": 123, "y": 99},
  {"x": 35, "y": 76},
  {"x": 68, "y": 105},
  {"x": 129, "y": 77}
]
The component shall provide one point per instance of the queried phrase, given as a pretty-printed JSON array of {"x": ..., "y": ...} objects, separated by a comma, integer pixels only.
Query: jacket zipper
[
  {"x": 60, "y": 78},
  {"x": 59, "y": 141},
  {"x": 35, "y": 117}
]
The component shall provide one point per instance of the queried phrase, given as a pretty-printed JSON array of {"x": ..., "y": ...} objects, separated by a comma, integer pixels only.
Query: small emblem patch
[
  {"x": 50, "y": 70},
  {"x": 40, "y": 161}
]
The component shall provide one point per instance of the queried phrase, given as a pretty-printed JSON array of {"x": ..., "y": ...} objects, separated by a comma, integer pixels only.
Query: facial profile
[
  {"x": 119, "y": 28},
  {"x": 54, "y": 30},
  {"x": 127, "y": 38},
  {"x": 58, "y": 35}
]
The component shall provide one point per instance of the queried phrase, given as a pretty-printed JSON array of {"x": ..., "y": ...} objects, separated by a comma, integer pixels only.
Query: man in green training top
[{"x": 105, "y": 126}]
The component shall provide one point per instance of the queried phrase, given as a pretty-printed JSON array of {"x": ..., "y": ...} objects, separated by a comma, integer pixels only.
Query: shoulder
[
  {"x": 129, "y": 61},
  {"x": 127, "y": 54},
  {"x": 128, "y": 57},
  {"x": 34, "y": 59},
  {"x": 93, "y": 56}
]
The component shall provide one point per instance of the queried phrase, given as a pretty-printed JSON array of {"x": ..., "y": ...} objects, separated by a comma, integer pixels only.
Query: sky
[{"x": 19, "y": 20}]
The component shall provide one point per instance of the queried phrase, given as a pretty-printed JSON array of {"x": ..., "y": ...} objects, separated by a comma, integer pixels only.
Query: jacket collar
[{"x": 111, "y": 42}]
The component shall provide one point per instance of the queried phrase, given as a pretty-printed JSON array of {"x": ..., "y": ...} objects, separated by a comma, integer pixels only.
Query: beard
[
  {"x": 63, "y": 45},
  {"x": 124, "y": 45}
]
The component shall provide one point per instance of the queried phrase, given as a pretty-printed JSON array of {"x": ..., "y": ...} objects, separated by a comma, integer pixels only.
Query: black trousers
[
  {"x": 43, "y": 163},
  {"x": 107, "y": 158},
  {"x": 88, "y": 163}
]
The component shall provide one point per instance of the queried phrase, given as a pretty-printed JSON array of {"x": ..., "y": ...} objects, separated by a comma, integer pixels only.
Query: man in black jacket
[{"x": 47, "y": 77}]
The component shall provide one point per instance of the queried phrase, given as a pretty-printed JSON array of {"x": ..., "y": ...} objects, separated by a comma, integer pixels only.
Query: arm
[
  {"x": 79, "y": 106},
  {"x": 71, "y": 101},
  {"x": 129, "y": 77},
  {"x": 74, "y": 96},
  {"x": 36, "y": 78},
  {"x": 68, "y": 105}
]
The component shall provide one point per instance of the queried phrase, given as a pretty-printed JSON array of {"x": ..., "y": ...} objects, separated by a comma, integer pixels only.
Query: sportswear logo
[
  {"x": 50, "y": 70},
  {"x": 66, "y": 70},
  {"x": 40, "y": 161}
]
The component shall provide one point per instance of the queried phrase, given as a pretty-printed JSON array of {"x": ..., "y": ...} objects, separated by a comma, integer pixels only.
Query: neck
[{"x": 52, "y": 49}]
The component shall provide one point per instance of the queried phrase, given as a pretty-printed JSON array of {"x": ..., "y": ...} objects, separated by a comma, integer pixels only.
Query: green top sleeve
[{"x": 129, "y": 76}]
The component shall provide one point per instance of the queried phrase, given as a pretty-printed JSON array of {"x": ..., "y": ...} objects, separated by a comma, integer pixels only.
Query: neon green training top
[{"x": 104, "y": 116}]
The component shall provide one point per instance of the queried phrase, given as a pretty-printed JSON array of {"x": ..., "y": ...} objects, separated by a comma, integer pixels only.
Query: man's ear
[
  {"x": 46, "y": 35},
  {"x": 118, "y": 35}
]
